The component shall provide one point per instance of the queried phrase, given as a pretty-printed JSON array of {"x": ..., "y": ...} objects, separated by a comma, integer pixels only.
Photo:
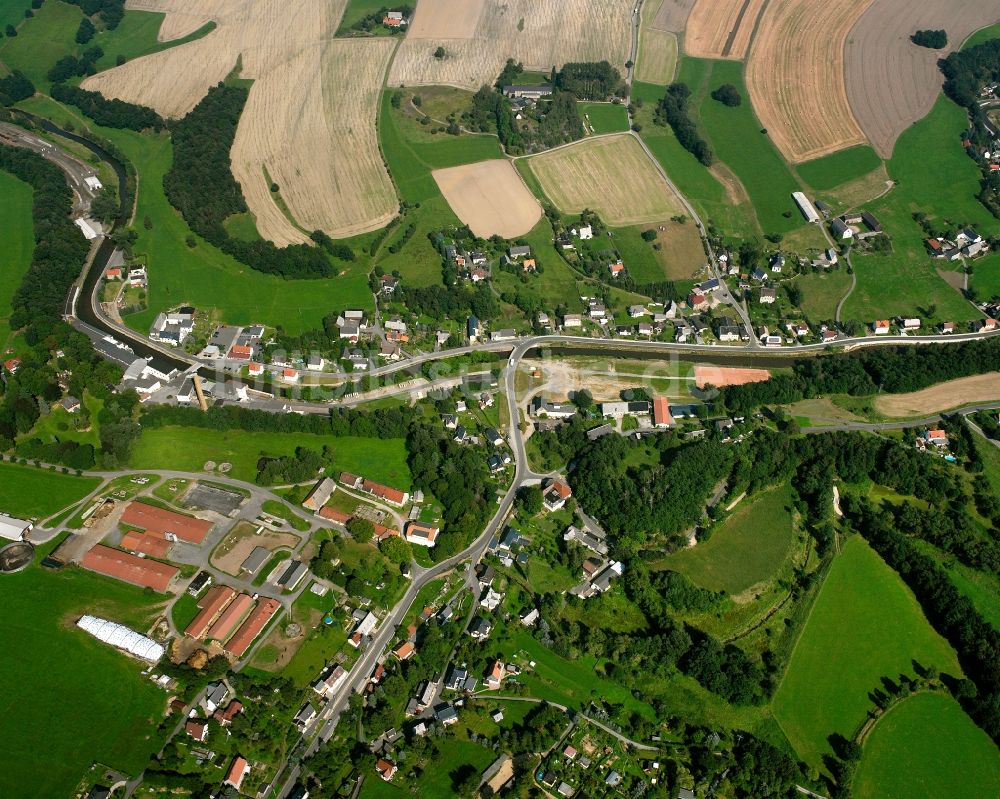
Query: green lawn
[
  {"x": 604, "y": 117},
  {"x": 937, "y": 178},
  {"x": 821, "y": 292},
  {"x": 985, "y": 278},
  {"x": 436, "y": 779},
  {"x": 27, "y": 491},
  {"x": 925, "y": 748},
  {"x": 748, "y": 548},
  {"x": 41, "y": 41},
  {"x": 17, "y": 233},
  {"x": 679, "y": 257},
  {"x": 832, "y": 170},
  {"x": 208, "y": 278},
  {"x": 418, "y": 261},
  {"x": 242, "y": 226},
  {"x": 57, "y": 424},
  {"x": 983, "y": 35},
  {"x": 357, "y": 10},
  {"x": 735, "y": 136},
  {"x": 71, "y": 700},
  {"x": 692, "y": 179},
  {"x": 187, "y": 448},
  {"x": 280, "y": 510},
  {"x": 865, "y": 625}
]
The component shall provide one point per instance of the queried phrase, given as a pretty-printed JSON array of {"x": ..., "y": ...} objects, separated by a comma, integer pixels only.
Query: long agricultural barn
[
  {"x": 212, "y": 604},
  {"x": 128, "y": 568},
  {"x": 252, "y": 627},
  {"x": 805, "y": 207},
  {"x": 166, "y": 523},
  {"x": 146, "y": 544},
  {"x": 231, "y": 618}
]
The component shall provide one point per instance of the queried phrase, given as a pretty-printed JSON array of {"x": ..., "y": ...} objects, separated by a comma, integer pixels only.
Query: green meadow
[
  {"x": 17, "y": 233},
  {"x": 604, "y": 117},
  {"x": 78, "y": 701},
  {"x": 925, "y": 748},
  {"x": 28, "y": 491},
  {"x": 188, "y": 448},
  {"x": 865, "y": 625},
  {"x": 935, "y": 177},
  {"x": 832, "y": 170},
  {"x": 747, "y": 548}
]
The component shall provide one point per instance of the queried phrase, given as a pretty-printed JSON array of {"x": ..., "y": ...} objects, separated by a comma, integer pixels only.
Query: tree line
[
  {"x": 108, "y": 113},
  {"x": 674, "y": 109},
  {"x": 200, "y": 184}
]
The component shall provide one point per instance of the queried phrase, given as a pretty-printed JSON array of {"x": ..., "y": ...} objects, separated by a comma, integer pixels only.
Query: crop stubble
[
  {"x": 657, "y": 50},
  {"x": 795, "y": 76},
  {"x": 891, "y": 82},
  {"x": 672, "y": 15},
  {"x": 310, "y": 117},
  {"x": 721, "y": 28},
  {"x": 539, "y": 35},
  {"x": 490, "y": 197},
  {"x": 611, "y": 175}
]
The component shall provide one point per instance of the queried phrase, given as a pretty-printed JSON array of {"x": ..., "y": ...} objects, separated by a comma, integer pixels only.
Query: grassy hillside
[
  {"x": 924, "y": 748},
  {"x": 865, "y": 625},
  {"x": 836, "y": 169}
]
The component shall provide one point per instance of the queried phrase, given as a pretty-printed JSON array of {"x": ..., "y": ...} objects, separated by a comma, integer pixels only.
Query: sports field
[
  {"x": 188, "y": 448},
  {"x": 612, "y": 176},
  {"x": 748, "y": 548},
  {"x": 603, "y": 117},
  {"x": 926, "y": 748},
  {"x": 865, "y": 625},
  {"x": 944, "y": 188},
  {"x": 18, "y": 236},
  {"x": 71, "y": 700},
  {"x": 29, "y": 492}
]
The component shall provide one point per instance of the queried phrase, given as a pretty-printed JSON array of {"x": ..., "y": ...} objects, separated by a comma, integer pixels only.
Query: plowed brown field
[
  {"x": 891, "y": 83},
  {"x": 795, "y": 76},
  {"x": 672, "y": 15},
  {"x": 490, "y": 198},
  {"x": 539, "y": 35}
]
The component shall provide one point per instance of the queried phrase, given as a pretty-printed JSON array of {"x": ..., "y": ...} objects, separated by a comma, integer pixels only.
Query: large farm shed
[
  {"x": 130, "y": 569},
  {"x": 166, "y": 523}
]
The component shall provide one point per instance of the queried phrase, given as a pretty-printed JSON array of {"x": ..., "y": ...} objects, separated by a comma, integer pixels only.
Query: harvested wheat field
[
  {"x": 657, "y": 50},
  {"x": 611, "y": 175},
  {"x": 721, "y": 28},
  {"x": 318, "y": 143},
  {"x": 446, "y": 19},
  {"x": 795, "y": 76},
  {"x": 262, "y": 34},
  {"x": 490, "y": 198},
  {"x": 539, "y": 35},
  {"x": 720, "y": 376},
  {"x": 891, "y": 83},
  {"x": 942, "y": 397},
  {"x": 672, "y": 15}
]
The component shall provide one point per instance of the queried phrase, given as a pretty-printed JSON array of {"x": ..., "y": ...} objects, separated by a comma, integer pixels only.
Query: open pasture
[
  {"x": 942, "y": 397},
  {"x": 891, "y": 82},
  {"x": 721, "y": 28},
  {"x": 539, "y": 35},
  {"x": 318, "y": 144},
  {"x": 490, "y": 198},
  {"x": 865, "y": 625},
  {"x": 924, "y": 748},
  {"x": 29, "y": 492},
  {"x": 611, "y": 175},
  {"x": 747, "y": 549},
  {"x": 795, "y": 76}
]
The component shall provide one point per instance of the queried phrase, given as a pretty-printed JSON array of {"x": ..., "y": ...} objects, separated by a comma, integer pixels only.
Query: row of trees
[
  {"x": 590, "y": 80},
  {"x": 674, "y": 110},
  {"x": 200, "y": 185},
  {"x": 109, "y": 113},
  {"x": 15, "y": 87}
]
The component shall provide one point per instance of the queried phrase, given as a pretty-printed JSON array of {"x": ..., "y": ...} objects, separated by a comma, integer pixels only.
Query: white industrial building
[
  {"x": 13, "y": 529},
  {"x": 121, "y": 637},
  {"x": 805, "y": 207}
]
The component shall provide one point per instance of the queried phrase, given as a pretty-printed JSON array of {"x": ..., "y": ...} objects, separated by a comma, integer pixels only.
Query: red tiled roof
[
  {"x": 146, "y": 544},
  {"x": 563, "y": 490},
  {"x": 252, "y": 627},
  {"x": 237, "y": 771},
  {"x": 211, "y": 605},
  {"x": 158, "y": 521},
  {"x": 661, "y": 412},
  {"x": 128, "y": 568},
  {"x": 233, "y": 615},
  {"x": 232, "y": 710},
  {"x": 381, "y": 531},
  {"x": 349, "y": 479},
  {"x": 197, "y": 729},
  {"x": 404, "y": 650},
  {"x": 335, "y": 515},
  {"x": 422, "y": 530},
  {"x": 241, "y": 351},
  {"x": 385, "y": 492}
]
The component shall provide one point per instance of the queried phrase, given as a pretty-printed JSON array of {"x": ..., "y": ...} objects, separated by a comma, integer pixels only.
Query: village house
[
  {"x": 616, "y": 268},
  {"x": 767, "y": 295},
  {"x": 555, "y": 495},
  {"x": 881, "y": 327}
]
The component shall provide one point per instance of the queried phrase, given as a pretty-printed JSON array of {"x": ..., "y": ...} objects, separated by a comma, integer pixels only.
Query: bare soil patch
[
  {"x": 891, "y": 83},
  {"x": 721, "y": 28},
  {"x": 942, "y": 397},
  {"x": 229, "y": 555},
  {"x": 611, "y": 175},
  {"x": 490, "y": 198},
  {"x": 672, "y": 15},
  {"x": 539, "y": 35},
  {"x": 446, "y": 19},
  {"x": 720, "y": 376},
  {"x": 795, "y": 76}
]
